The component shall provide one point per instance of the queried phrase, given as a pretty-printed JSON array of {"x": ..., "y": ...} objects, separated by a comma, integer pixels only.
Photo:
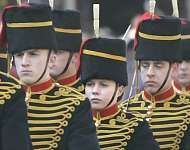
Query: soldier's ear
[
  {"x": 75, "y": 59},
  {"x": 120, "y": 90}
]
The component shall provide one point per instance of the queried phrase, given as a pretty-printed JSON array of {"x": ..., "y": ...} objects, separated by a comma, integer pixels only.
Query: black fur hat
[
  {"x": 29, "y": 27},
  {"x": 185, "y": 40},
  {"x": 159, "y": 39},
  {"x": 104, "y": 58},
  {"x": 68, "y": 30}
]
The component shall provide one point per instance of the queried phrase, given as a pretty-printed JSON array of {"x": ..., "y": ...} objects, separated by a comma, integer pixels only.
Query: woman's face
[{"x": 100, "y": 93}]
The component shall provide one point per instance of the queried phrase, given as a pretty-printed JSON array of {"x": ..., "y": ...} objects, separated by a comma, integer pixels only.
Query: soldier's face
[
  {"x": 153, "y": 74},
  {"x": 100, "y": 92},
  {"x": 30, "y": 65},
  {"x": 183, "y": 73},
  {"x": 61, "y": 59}
]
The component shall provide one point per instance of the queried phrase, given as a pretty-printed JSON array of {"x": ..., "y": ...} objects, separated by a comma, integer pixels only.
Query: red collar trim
[
  {"x": 179, "y": 87},
  {"x": 166, "y": 95},
  {"x": 40, "y": 87},
  {"x": 68, "y": 80},
  {"x": 106, "y": 112}
]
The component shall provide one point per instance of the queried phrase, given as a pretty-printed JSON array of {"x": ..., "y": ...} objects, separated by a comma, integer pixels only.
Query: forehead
[
  {"x": 101, "y": 80},
  {"x": 61, "y": 52},
  {"x": 34, "y": 50},
  {"x": 154, "y": 62}
]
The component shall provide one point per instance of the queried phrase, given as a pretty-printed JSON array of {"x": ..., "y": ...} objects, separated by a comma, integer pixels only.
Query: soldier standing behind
[
  {"x": 158, "y": 42},
  {"x": 69, "y": 37},
  {"x": 59, "y": 117},
  {"x": 103, "y": 71},
  {"x": 181, "y": 82}
]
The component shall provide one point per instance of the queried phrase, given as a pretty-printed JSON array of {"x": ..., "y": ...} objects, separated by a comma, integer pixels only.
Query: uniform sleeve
[
  {"x": 14, "y": 127},
  {"x": 142, "y": 138},
  {"x": 82, "y": 129},
  {"x": 185, "y": 144}
]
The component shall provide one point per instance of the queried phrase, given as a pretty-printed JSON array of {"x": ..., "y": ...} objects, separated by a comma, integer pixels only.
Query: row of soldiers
[{"x": 42, "y": 106}]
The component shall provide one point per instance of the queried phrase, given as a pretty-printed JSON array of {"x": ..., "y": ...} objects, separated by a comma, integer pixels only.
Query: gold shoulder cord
[
  {"x": 49, "y": 114},
  {"x": 8, "y": 88}
]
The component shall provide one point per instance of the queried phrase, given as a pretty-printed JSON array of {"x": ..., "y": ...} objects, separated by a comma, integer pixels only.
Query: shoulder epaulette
[{"x": 8, "y": 86}]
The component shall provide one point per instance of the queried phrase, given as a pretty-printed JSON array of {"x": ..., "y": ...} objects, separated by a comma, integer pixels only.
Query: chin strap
[
  {"x": 165, "y": 80},
  {"x": 113, "y": 96},
  {"x": 47, "y": 61}
]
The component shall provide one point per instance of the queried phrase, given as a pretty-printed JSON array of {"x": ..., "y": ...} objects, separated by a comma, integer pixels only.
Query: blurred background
[{"x": 115, "y": 15}]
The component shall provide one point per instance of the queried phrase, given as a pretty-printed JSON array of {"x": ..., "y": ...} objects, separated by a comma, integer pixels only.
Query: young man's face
[
  {"x": 153, "y": 74},
  {"x": 30, "y": 65},
  {"x": 183, "y": 73},
  {"x": 61, "y": 59}
]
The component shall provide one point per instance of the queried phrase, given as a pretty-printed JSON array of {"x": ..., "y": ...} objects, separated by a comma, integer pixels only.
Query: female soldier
[{"x": 103, "y": 71}]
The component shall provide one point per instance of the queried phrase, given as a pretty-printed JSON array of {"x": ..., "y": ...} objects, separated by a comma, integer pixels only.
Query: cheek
[
  {"x": 17, "y": 65},
  {"x": 87, "y": 92},
  {"x": 142, "y": 74}
]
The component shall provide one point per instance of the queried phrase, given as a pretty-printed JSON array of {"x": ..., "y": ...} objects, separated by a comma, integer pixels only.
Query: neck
[
  {"x": 161, "y": 96},
  {"x": 106, "y": 112},
  {"x": 179, "y": 87},
  {"x": 46, "y": 84},
  {"x": 68, "y": 80}
]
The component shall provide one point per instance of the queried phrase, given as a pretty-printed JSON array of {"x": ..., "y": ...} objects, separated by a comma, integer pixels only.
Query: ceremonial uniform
[
  {"x": 58, "y": 117},
  {"x": 185, "y": 57},
  {"x": 183, "y": 68},
  {"x": 69, "y": 37},
  {"x": 185, "y": 141},
  {"x": 168, "y": 115},
  {"x": 14, "y": 132},
  {"x": 74, "y": 82},
  {"x": 167, "y": 112},
  {"x": 116, "y": 129}
]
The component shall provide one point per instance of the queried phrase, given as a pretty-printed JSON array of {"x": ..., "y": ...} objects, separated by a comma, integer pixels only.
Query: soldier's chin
[
  {"x": 96, "y": 107},
  {"x": 151, "y": 90},
  {"x": 27, "y": 81},
  {"x": 184, "y": 81}
]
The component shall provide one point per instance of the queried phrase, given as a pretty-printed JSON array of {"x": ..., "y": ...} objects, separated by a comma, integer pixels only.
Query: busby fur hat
[
  {"x": 159, "y": 39},
  {"x": 29, "y": 27},
  {"x": 68, "y": 30},
  {"x": 185, "y": 39},
  {"x": 104, "y": 58}
]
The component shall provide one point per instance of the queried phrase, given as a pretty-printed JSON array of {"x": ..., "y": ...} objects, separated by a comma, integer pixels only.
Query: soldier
[
  {"x": 69, "y": 37},
  {"x": 59, "y": 117},
  {"x": 158, "y": 41},
  {"x": 181, "y": 82},
  {"x": 14, "y": 132},
  {"x": 103, "y": 70}
]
